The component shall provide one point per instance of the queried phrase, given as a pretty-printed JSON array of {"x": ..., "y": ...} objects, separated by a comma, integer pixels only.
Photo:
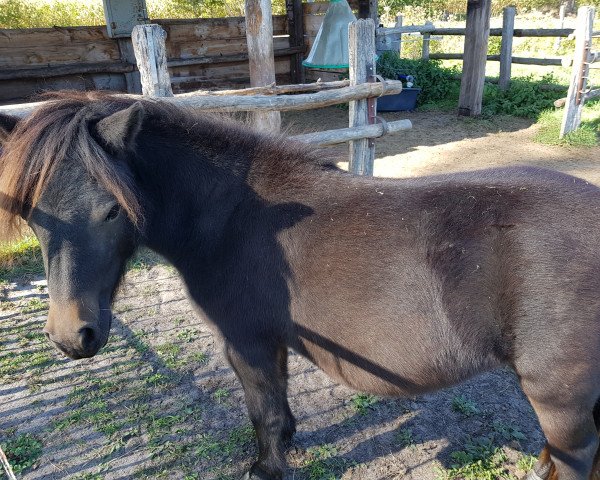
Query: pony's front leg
[{"x": 258, "y": 364}]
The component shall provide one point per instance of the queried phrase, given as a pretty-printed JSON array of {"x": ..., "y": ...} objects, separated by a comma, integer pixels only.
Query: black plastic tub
[{"x": 405, "y": 100}]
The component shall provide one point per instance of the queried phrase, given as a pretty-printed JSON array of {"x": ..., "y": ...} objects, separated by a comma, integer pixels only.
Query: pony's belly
[{"x": 394, "y": 369}]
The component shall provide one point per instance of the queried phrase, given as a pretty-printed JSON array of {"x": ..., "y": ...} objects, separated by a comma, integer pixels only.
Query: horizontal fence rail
[{"x": 254, "y": 103}]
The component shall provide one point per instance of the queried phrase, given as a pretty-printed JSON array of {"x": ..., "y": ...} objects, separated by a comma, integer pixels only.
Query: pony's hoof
[{"x": 246, "y": 476}]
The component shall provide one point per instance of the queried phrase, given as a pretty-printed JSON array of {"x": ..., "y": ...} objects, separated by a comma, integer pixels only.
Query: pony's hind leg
[
  {"x": 567, "y": 420},
  {"x": 258, "y": 365}
]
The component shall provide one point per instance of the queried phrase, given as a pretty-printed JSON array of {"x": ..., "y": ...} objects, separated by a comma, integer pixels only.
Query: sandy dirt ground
[{"x": 161, "y": 402}]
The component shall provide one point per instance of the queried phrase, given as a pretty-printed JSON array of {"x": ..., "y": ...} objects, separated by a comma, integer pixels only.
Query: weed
[
  {"x": 320, "y": 463},
  {"x": 170, "y": 354},
  {"x": 362, "y": 403},
  {"x": 220, "y": 395},
  {"x": 526, "y": 462},
  {"x": 188, "y": 335},
  {"x": 207, "y": 447},
  {"x": 34, "y": 305},
  {"x": 405, "y": 437},
  {"x": 157, "y": 379},
  {"x": 22, "y": 451},
  {"x": 464, "y": 406},
  {"x": 199, "y": 357},
  {"x": 508, "y": 432},
  {"x": 480, "y": 460}
]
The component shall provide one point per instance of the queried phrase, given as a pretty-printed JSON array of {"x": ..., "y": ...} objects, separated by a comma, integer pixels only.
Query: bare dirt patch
[{"x": 161, "y": 402}]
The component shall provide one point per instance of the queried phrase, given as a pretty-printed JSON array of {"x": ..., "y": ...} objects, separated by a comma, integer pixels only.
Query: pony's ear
[
  {"x": 119, "y": 130},
  {"x": 7, "y": 125}
]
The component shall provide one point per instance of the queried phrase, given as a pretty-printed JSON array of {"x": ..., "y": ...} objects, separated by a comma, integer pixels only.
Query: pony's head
[{"x": 65, "y": 171}]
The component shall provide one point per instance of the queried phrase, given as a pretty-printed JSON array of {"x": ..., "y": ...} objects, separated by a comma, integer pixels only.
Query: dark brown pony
[{"x": 395, "y": 287}]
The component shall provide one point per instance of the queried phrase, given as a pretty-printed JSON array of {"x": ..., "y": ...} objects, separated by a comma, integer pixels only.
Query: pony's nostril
[{"x": 88, "y": 337}]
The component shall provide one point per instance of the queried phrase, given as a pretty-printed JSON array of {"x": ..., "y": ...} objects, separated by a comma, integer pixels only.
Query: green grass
[
  {"x": 22, "y": 451},
  {"x": 585, "y": 136},
  {"x": 20, "y": 259}
]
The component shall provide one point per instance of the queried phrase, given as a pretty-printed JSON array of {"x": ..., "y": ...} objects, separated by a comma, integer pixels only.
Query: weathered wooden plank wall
[{"x": 213, "y": 53}]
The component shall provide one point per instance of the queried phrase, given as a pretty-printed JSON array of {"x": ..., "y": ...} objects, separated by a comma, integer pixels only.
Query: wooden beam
[
  {"x": 494, "y": 32},
  {"x": 254, "y": 103},
  {"x": 214, "y": 59},
  {"x": 62, "y": 70},
  {"x": 132, "y": 79},
  {"x": 508, "y": 27},
  {"x": 259, "y": 34},
  {"x": 475, "y": 52},
  {"x": 342, "y": 135},
  {"x": 274, "y": 89},
  {"x": 361, "y": 44},
  {"x": 565, "y": 62},
  {"x": 295, "y": 21},
  {"x": 151, "y": 57}
]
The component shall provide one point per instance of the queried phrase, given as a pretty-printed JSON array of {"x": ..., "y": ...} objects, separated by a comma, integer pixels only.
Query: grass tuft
[
  {"x": 585, "y": 136},
  {"x": 20, "y": 259}
]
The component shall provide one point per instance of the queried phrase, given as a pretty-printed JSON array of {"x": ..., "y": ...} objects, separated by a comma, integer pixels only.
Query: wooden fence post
[
  {"x": 151, "y": 57},
  {"x": 259, "y": 34},
  {"x": 425, "y": 49},
  {"x": 575, "y": 96},
  {"x": 508, "y": 28},
  {"x": 474, "y": 57},
  {"x": 399, "y": 20},
  {"x": 361, "y": 44},
  {"x": 561, "y": 20},
  {"x": 295, "y": 21}
]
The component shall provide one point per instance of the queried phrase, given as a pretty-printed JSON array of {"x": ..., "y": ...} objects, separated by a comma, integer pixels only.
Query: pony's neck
[{"x": 190, "y": 190}]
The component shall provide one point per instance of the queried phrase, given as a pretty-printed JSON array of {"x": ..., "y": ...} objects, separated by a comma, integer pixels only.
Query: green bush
[
  {"x": 436, "y": 82},
  {"x": 524, "y": 98}
]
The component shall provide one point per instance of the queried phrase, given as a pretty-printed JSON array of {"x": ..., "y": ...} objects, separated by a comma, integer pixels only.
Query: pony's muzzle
[{"x": 75, "y": 330}]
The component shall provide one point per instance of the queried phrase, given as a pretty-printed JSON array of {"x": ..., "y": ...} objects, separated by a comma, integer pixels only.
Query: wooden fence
[
  {"x": 389, "y": 38},
  {"x": 361, "y": 91},
  {"x": 584, "y": 57},
  {"x": 200, "y": 53}
]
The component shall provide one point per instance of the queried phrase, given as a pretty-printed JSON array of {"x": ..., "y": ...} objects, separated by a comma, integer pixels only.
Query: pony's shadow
[{"x": 418, "y": 435}]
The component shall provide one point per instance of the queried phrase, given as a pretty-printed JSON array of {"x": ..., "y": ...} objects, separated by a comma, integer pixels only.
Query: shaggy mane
[
  {"x": 38, "y": 145},
  {"x": 60, "y": 129}
]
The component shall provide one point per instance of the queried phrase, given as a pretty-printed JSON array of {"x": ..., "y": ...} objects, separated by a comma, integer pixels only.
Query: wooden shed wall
[{"x": 202, "y": 53}]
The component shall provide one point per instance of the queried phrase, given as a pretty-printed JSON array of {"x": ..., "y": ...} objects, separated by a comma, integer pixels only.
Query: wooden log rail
[
  {"x": 255, "y": 103},
  {"x": 342, "y": 135},
  {"x": 497, "y": 58},
  {"x": 494, "y": 32}
]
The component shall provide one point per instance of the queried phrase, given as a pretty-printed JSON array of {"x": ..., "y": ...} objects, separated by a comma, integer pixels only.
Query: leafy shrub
[
  {"x": 524, "y": 98},
  {"x": 437, "y": 83}
]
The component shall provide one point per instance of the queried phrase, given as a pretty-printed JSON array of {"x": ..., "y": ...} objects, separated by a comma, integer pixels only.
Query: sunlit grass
[
  {"x": 20, "y": 258},
  {"x": 585, "y": 136}
]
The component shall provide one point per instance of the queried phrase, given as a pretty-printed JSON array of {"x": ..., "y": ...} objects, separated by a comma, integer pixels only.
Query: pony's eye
[{"x": 113, "y": 213}]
